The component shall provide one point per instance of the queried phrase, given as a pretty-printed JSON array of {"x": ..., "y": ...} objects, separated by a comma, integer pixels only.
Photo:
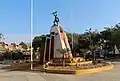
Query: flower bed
[{"x": 70, "y": 64}]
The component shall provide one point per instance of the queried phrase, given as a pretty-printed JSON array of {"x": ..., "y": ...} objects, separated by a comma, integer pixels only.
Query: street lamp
[
  {"x": 31, "y": 26},
  {"x": 72, "y": 36},
  {"x": 91, "y": 45},
  {"x": 11, "y": 51}
]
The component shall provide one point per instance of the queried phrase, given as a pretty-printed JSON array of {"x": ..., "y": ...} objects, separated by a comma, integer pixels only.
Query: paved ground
[{"x": 111, "y": 75}]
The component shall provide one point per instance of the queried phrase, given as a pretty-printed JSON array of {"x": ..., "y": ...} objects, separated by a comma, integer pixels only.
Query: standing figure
[{"x": 56, "y": 20}]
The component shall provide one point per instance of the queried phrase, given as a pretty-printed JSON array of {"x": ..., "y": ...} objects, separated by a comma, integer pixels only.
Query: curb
[{"x": 84, "y": 71}]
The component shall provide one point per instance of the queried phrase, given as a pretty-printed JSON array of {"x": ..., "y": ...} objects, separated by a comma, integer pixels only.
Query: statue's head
[{"x": 55, "y": 13}]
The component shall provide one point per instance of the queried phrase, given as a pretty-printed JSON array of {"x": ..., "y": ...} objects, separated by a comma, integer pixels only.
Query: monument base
[{"x": 68, "y": 70}]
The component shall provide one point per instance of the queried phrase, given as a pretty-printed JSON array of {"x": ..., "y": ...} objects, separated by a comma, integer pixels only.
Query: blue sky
[
  {"x": 75, "y": 16},
  {"x": 15, "y": 20}
]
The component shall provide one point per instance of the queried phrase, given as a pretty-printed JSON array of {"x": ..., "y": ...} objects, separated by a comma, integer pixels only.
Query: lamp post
[
  {"x": 11, "y": 51},
  {"x": 91, "y": 45},
  {"x": 72, "y": 36},
  {"x": 31, "y": 26},
  {"x": 11, "y": 56}
]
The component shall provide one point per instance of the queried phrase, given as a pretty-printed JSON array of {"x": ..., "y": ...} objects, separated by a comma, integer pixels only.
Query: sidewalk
[{"x": 20, "y": 76}]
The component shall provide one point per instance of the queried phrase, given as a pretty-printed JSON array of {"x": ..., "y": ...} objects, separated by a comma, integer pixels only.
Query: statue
[{"x": 56, "y": 20}]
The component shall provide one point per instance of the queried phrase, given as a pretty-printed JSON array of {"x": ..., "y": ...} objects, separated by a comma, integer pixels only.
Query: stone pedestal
[
  {"x": 60, "y": 41},
  {"x": 56, "y": 41}
]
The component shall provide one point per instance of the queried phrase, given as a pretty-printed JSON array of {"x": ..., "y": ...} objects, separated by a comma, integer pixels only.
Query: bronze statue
[{"x": 56, "y": 20}]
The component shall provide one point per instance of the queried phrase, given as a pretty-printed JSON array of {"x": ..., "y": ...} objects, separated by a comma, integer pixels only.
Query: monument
[
  {"x": 56, "y": 41},
  {"x": 57, "y": 56},
  {"x": 60, "y": 38}
]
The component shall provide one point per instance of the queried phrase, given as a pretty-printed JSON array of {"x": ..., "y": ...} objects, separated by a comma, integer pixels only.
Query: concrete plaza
[{"x": 110, "y": 75}]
